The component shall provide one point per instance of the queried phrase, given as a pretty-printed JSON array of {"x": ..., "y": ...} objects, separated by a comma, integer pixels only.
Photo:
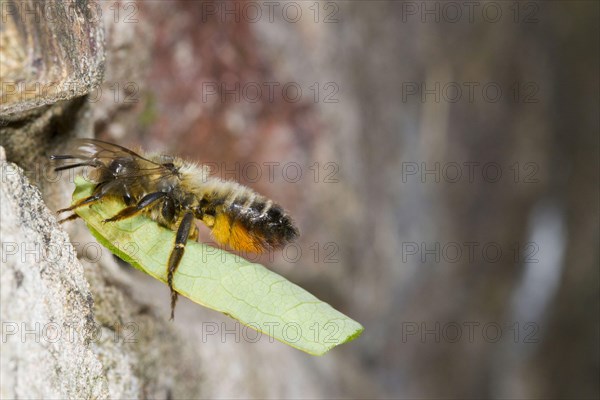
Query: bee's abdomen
[
  {"x": 250, "y": 222},
  {"x": 263, "y": 219}
]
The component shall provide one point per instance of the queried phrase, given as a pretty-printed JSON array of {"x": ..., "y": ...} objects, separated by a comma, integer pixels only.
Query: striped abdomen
[{"x": 247, "y": 221}]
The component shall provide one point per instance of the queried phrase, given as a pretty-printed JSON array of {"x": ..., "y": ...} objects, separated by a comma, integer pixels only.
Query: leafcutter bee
[{"x": 174, "y": 192}]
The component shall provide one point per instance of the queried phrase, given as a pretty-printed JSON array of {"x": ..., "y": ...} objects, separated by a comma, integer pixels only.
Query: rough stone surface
[
  {"x": 46, "y": 304},
  {"x": 51, "y": 51}
]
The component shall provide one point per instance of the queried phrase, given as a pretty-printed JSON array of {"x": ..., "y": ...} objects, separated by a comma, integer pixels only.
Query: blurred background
[
  {"x": 440, "y": 158},
  {"x": 449, "y": 161}
]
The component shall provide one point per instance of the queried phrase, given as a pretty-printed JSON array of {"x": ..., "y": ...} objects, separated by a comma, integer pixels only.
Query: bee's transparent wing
[
  {"x": 93, "y": 150},
  {"x": 122, "y": 163}
]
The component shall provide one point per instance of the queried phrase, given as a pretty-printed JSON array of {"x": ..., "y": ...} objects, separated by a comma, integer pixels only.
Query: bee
[{"x": 174, "y": 193}]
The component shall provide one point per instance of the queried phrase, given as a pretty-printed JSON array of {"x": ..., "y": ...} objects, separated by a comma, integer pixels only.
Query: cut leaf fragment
[{"x": 247, "y": 292}]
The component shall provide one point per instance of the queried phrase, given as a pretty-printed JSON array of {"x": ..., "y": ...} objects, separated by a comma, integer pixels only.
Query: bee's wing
[
  {"x": 94, "y": 149},
  {"x": 99, "y": 154}
]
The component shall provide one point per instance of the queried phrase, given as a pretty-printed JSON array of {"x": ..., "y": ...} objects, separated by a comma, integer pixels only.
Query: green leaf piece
[{"x": 225, "y": 282}]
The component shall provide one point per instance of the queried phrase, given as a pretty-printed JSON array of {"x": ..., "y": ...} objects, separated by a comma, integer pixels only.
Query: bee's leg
[
  {"x": 88, "y": 200},
  {"x": 98, "y": 194},
  {"x": 145, "y": 202},
  {"x": 69, "y": 218},
  {"x": 177, "y": 253}
]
